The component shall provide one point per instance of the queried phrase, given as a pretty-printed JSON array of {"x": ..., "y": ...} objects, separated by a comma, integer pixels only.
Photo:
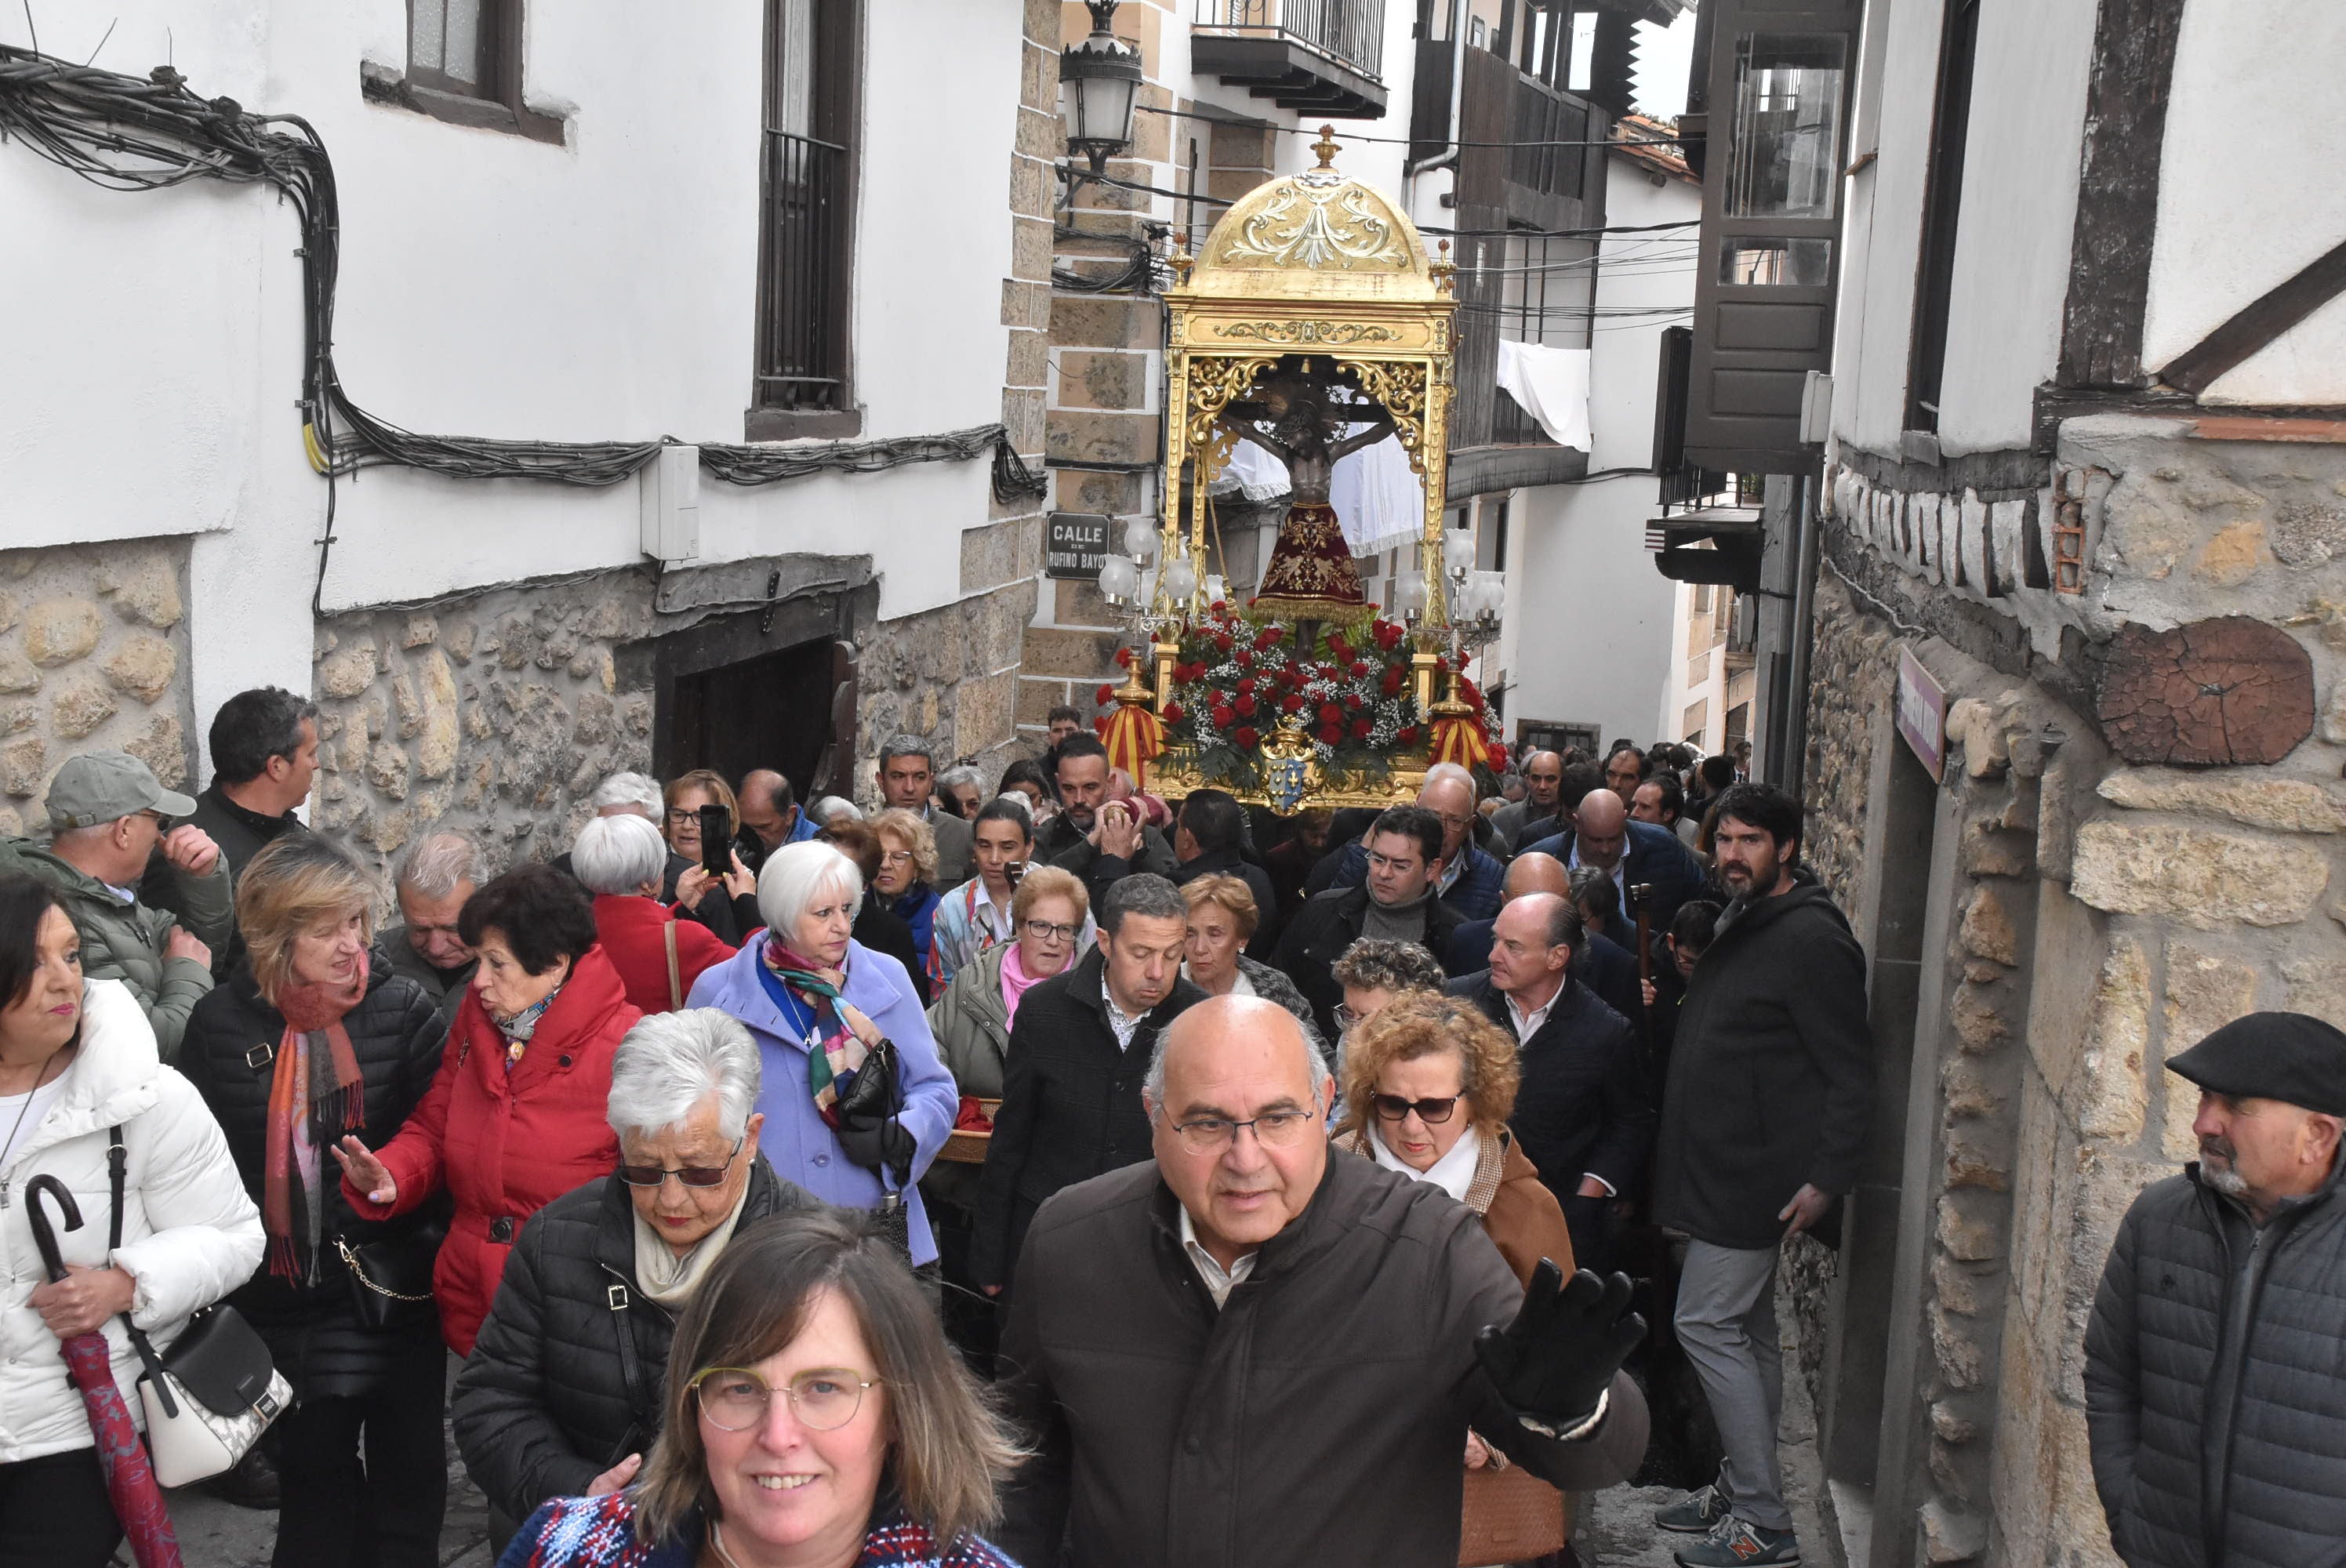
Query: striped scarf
[
  {"x": 833, "y": 1052},
  {"x": 316, "y": 1089}
]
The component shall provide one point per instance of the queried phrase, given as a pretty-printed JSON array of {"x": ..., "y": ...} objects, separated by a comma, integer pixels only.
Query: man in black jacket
[
  {"x": 1765, "y": 1113},
  {"x": 1581, "y": 1114},
  {"x": 1071, "y": 1073},
  {"x": 2214, "y": 1390},
  {"x": 563, "y": 1390},
  {"x": 1255, "y": 1352},
  {"x": 1097, "y": 839},
  {"x": 264, "y": 750},
  {"x": 1398, "y": 902},
  {"x": 1207, "y": 838},
  {"x": 1631, "y": 853}
]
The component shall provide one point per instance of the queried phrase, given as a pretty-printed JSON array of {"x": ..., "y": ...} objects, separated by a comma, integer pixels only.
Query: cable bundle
[{"x": 123, "y": 133}]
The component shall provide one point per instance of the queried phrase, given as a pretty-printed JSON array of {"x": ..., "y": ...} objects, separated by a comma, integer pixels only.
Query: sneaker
[
  {"x": 1695, "y": 1513},
  {"x": 1740, "y": 1544}
]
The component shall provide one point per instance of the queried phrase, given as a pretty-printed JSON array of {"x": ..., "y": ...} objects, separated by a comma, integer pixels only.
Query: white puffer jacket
[{"x": 190, "y": 1234}]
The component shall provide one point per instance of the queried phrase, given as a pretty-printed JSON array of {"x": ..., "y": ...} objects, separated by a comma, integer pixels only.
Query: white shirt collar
[
  {"x": 1453, "y": 1173},
  {"x": 1527, "y": 1025},
  {"x": 1220, "y": 1282}
]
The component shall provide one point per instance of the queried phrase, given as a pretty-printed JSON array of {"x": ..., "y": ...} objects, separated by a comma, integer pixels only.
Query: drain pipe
[
  {"x": 1448, "y": 157},
  {"x": 1804, "y": 599}
]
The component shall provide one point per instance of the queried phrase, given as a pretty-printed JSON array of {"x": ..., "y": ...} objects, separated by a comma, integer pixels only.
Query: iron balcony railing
[
  {"x": 1352, "y": 32},
  {"x": 802, "y": 274}
]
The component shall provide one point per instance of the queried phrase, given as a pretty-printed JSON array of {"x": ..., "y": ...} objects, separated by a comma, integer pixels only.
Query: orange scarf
[{"x": 311, "y": 1093}]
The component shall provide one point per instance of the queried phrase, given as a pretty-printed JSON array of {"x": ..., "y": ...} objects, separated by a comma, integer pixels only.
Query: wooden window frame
[
  {"x": 497, "y": 105},
  {"x": 836, "y": 82}
]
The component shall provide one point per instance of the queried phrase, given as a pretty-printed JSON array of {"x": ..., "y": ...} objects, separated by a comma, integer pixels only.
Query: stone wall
[
  {"x": 498, "y": 712},
  {"x": 93, "y": 657},
  {"x": 2101, "y": 913},
  {"x": 494, "y": 713}
]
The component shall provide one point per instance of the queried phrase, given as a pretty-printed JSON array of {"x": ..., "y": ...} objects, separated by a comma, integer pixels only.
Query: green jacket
[{"x": 124, "y": 942}]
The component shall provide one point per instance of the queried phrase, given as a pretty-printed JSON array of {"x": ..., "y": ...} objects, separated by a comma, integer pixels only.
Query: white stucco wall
[
  {"x": 2249, "y": 189},
  {"x": 1590, "y": 619},
  {"x": 491, "y": 286}
]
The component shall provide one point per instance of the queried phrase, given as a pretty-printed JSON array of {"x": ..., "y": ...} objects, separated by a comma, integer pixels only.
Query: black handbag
[
  {"x": 871, "y": 1134},
  {"x": 391, "y": 1279}
]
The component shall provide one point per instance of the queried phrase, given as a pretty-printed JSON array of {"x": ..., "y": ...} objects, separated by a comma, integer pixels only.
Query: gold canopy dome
[{"x": 1320, "y": 236}]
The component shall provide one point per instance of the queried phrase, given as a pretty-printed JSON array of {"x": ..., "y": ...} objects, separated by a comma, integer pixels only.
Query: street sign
[
  {"x": 1076, "y": 546},
  {"x": 1923, "y": 713}
]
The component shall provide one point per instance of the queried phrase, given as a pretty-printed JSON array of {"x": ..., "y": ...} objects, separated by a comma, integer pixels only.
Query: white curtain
[{"x": 1552, "y": 385}]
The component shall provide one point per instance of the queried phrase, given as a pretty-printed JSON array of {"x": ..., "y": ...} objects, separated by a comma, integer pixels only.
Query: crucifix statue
[{"x": 1299, "y": 419}]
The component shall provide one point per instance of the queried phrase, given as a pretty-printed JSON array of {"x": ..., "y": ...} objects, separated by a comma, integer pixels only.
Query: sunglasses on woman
[
  {"x": 691, "y": 1176},
  {"x": 1392, "y": 1108}
]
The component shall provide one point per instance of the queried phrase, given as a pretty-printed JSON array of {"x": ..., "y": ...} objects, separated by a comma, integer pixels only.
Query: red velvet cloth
[{"x": 1311, "y": 575}]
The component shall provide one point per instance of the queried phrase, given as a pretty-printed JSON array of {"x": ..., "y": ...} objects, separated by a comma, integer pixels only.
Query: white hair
[
  {"x": 437, "y": 863},
  {"x": 617, "y": 855},
  {"x": 795, "y": 875},
  {"x": 831, "y": 808},
  {"x": 1152, "y": 1087},
  {"x": 630, "y": 789},
  {"x": 1452, "y": 770},
  {"x": 671, "y": 1062}
]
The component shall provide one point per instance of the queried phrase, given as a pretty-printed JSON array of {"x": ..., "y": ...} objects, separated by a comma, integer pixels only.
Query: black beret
[{"x": 2284, "y": 1056}]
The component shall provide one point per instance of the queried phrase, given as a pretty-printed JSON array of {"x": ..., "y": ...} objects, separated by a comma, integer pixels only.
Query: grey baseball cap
[{"x": 102, "y": 785}]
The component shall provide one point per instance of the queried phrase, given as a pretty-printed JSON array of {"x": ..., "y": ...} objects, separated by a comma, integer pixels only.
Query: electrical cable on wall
[{"x": 123, "y": 132}]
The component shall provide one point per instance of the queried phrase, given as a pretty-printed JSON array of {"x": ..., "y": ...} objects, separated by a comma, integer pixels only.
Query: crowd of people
[{"x": 799, "y": 1182}]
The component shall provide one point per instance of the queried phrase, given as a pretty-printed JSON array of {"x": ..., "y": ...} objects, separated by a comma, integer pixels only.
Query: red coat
[
  {"x": 630, "y": 932},
  {"x": 505, "y": 1145}
]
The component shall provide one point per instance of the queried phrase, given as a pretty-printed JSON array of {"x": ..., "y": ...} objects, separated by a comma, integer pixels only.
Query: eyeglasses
[
  {"x": 678, "y": 818},
  {"x": 1043, "y": 930},
  {"x": 737, "y": 1399},
  {"x": 1348, "y": 1019},
  {"x": 896, "y": 857},
  {"x": 691, "y": 1176},
  {"x": 1432, "y": 1112},
  {"x": 1272, "y": 1130}
]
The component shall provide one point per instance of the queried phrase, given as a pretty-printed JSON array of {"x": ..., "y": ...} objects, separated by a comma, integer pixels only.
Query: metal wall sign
[
  {"x": 1074, "y": 544},
  {"x": 1923, "y": 713}
]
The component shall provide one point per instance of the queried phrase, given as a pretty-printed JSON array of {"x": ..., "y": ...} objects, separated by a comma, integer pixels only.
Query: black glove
[{"x": 1556, "y": 1360}]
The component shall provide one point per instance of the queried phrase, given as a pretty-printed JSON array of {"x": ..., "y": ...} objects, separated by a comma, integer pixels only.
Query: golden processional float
[{"x": 1314, "y": 312}]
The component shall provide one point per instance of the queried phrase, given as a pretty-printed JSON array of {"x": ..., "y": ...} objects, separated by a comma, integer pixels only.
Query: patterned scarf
[
  {"x": 833, "y": 1052},
  {"x": 311, "y": 1092}
]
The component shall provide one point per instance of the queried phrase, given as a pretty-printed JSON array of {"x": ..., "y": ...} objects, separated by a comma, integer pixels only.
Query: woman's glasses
[
  {"x": 737, "y": 1399},
  {"x": 1432, "y": 1112},
  {"x": 691, "y": 1176},
  {"x": 1043, "y": 930}
]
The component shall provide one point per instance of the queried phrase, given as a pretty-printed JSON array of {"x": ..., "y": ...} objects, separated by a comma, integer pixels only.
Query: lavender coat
[{"x": 796, "y": 1141}]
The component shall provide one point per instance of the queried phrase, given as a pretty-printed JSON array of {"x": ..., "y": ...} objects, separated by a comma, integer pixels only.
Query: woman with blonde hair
[
  {"x": 1223, "y": 917},
  {"x": 314, "y": 1038},
  {"x": 814, "y": 1414},
  {"x": 906, "y": 883},
  {"x": 726, "y": 905},
  {"x": 1429, "y": 1085}
]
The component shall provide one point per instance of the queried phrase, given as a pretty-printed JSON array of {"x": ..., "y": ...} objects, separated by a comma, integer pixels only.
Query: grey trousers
[{"x": 1726, "y": 1325}]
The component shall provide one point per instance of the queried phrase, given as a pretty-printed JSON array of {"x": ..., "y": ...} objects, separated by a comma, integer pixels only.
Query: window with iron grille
[{"x": 807, "y": 207}]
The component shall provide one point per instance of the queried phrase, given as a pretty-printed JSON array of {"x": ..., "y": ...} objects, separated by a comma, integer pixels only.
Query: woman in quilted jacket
[
  {"x": 514, "y": 1118},
  {"x": 813, "y": 1415},
  {"x": 314, "y": 1036}
]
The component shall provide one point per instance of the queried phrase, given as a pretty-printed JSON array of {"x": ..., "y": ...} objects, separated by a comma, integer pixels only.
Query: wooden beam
[
  {"x": 2278, "y": 309},
  {"x": 2117, "y": 193}
]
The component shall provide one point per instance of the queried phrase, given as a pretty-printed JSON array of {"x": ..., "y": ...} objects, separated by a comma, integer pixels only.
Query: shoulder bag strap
[
  {"x": 643, "y": 1408},
  {"x": 675, "y": 983},
  {"x": 117, "y": 1165}
]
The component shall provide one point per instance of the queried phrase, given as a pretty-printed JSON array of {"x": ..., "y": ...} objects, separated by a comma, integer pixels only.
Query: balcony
[{"x": 1323, "y": 56}]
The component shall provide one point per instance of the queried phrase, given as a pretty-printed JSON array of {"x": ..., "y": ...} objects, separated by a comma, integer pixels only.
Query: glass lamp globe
[{"x": 1118, "y": 577}]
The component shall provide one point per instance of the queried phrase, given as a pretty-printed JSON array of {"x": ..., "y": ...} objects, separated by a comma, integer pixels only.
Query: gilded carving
[
  {"x": 1310, "y": 228},
  {"x": 1327, "y": 334}
]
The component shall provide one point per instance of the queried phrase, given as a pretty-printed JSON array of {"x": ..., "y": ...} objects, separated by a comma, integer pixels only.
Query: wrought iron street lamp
[{"x": 1099, "y": 82}]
